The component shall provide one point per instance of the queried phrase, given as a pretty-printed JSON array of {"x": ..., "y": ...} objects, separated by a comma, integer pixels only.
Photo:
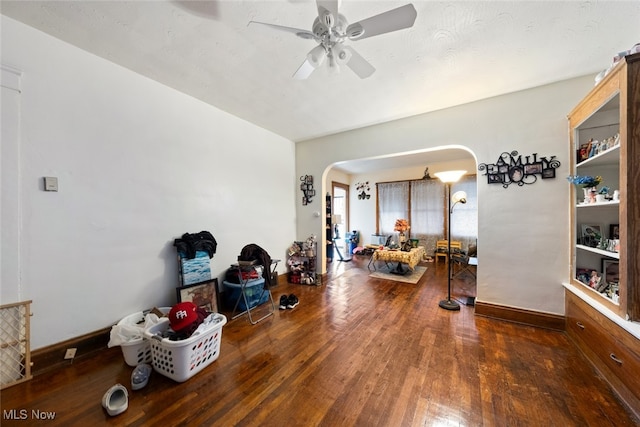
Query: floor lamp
[{"x": 449, "y": 178}]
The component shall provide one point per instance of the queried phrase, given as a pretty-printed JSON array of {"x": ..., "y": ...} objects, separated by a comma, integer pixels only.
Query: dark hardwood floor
[{"x": 356, "y": 351}]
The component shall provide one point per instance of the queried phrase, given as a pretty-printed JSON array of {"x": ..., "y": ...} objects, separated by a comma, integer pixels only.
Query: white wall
[
  {"x": 522, "y": 238},
  {"x": 138, "y": 164}
]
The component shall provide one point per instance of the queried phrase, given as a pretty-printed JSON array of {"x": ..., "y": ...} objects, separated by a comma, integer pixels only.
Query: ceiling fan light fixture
[
  {"x": 330, "y": 29},
  {"x": 317, "y": 56}
]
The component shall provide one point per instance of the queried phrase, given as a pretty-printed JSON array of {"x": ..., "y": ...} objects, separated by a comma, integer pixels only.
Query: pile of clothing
[
  {"x": 184, "y": 318},
  {"x": 189, "y": 244},
  {"x": 253, "y": 252}
]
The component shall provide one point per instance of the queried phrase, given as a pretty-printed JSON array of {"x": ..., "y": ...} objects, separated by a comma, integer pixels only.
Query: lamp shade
[
  {"x": 450, "y": 176},
  {"x": 459, "y": 197},
  {"x": 317, "y": 56},
  {"x": 337, "y": 219}
]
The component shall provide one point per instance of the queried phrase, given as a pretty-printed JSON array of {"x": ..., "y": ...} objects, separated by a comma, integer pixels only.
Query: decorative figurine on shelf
[
  {"x": 594, "y": 280},
  {"x": 603, "y": 244},
  {"x": 309, "y": 246},
  {"x": 589, "y": 185}
]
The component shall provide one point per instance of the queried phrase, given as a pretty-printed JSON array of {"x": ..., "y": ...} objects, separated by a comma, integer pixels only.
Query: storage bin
[
  {"x": 138, "y": 350},
  {"x": 180, "y": 360},
  {"x": 253, "y": 291}
]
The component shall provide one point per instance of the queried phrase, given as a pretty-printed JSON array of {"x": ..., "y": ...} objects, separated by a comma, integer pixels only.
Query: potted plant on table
[{"x": 402, "y": 226}]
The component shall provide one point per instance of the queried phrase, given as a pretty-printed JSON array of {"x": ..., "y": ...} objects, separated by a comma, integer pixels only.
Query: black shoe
[
  {"x": 284, "y": 300},
  {"x": 292, "y": 301}
]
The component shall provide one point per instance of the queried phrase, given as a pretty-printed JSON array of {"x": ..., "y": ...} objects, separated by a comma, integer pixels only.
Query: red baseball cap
[{"x": 182, "y": 315}]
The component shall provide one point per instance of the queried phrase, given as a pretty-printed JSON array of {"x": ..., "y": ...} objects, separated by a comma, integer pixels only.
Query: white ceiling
[{"x": 457, "y": 52}]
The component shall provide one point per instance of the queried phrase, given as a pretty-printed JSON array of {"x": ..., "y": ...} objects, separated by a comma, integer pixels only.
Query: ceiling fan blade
[
  {"x": 386, "y": 22},
  {"x": 328, "y": 12},
  {"x": 358, "y": 64},
  {"x": 304, "y": 71},
  {"x": 297, "y": 31}
]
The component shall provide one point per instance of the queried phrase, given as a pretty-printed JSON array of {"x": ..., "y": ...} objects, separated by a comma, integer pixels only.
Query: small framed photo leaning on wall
[
  {"x": 611, "y": 270},
  {"x": 203, "y": 294},
  {"x": 614, "y": 231},
  {"x": 591, "y": 234}
]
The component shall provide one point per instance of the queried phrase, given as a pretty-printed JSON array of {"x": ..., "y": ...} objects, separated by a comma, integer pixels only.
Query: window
[
  {"x": 393, "y": 203},
  {"x": 427, "y": 212}
]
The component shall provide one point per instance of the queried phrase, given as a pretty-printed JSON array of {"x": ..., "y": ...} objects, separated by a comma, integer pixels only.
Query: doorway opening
[{"x": 340, "y": 214}]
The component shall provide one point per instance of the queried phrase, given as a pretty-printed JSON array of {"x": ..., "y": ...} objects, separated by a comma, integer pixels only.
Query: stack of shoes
[{"x": 288, "y": 302}]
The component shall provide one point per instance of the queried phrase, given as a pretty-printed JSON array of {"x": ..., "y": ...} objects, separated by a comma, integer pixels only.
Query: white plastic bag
[{"x": 125, "y": 332}]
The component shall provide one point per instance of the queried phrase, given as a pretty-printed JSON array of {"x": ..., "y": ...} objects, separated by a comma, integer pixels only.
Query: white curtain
[
  {"x": 424, "y": 204},
  {"x": 393, "y": 203},
  {"x": 427, "y": 212}
]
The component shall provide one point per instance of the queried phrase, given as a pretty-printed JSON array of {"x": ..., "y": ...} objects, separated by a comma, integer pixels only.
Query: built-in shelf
[
  {"x": 610, "y": 254},
  {"x": 609, "y": 157},
  {"x": 610, "y": 204},
  {"x": 603, "y": 314}
]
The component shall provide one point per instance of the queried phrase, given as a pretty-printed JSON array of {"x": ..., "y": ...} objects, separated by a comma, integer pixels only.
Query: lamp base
[{"x": 448, "y": 304}]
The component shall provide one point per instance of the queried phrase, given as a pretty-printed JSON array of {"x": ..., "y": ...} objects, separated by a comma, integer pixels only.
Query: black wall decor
[
  {"x": 307, "y": 189},
  {"x": 510, "y": 169},
  {"x": 363, "y": 189}
]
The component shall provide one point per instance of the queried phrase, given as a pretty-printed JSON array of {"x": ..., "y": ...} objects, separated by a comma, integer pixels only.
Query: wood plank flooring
[{"x": 357, "y": 351}]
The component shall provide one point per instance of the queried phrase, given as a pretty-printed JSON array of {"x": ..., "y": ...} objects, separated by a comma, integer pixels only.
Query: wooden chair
[{"x": 442, "y": 248}]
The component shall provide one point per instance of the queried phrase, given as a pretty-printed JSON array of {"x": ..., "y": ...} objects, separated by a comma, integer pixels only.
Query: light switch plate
[{"x": 50, "y": 183}]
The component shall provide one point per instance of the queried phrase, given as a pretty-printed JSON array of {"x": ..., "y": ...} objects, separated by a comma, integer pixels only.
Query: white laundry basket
[
  {"x": 180, "y": 360},
  {"x": 137, "y": 351}
]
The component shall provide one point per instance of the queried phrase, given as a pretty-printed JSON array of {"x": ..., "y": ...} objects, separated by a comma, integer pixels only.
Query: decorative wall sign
[
  {"x": 307, "y": 189},
  {"x": 363, "y": 190},
  {"x": 510, "y": 169}
]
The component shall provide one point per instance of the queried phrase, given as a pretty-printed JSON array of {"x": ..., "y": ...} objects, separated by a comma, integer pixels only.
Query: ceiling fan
[{"x": 331, "y": 29}]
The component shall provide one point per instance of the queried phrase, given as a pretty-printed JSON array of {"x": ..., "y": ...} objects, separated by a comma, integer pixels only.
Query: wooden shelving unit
[{"x": 604, "y": 321}]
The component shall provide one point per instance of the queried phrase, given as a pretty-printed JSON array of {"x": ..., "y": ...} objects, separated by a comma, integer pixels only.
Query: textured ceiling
[{"x": 456, "y": 52}]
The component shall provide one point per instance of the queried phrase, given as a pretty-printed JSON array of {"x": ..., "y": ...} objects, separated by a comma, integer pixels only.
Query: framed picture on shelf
[
  {"x": 591, "y": 234},
  {"x": 614, "y": 231},
  {"x": 203, "y": 294},
  {"x": 610, "y": 270}
]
